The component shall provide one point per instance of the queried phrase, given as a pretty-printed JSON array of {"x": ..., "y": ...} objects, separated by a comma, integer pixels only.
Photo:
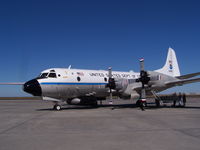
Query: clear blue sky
[{"x": 36, "y": 35}]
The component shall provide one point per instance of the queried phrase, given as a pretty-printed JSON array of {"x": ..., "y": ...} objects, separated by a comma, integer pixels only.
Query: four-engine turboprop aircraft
[{"x": 77, "y": 86}]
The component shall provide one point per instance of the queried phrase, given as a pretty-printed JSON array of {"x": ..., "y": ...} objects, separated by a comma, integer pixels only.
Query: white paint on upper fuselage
[{"x": 86, "y": 76}]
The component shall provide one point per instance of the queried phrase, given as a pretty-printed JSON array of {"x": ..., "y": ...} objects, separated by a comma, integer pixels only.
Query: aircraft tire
[
  {"x": 157, "y": 103},
  {"x": 145, "y": 104},
  {"x": 138, "y": 103},
  {"x": 57, "y": 107},
  {"x": 95, "y": 104}
]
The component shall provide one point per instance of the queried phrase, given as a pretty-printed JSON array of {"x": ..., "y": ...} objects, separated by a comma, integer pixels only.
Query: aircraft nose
[{"x": 33, "y": 87}]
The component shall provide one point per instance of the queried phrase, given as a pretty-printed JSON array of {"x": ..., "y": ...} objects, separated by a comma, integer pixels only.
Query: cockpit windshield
[
  {"x": 47, "y": 75},
  {"x": 52, "y": 75}
]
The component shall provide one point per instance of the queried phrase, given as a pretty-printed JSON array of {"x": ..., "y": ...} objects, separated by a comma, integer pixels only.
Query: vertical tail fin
[{"x": 171, "y": 67}]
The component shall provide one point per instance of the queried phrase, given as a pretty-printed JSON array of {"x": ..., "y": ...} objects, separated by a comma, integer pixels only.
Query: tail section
[{"x": 171, "y": 67}]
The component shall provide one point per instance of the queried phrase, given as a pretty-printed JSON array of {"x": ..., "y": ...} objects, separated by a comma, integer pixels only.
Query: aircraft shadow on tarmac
[
  {"x": 71, "y": 107},
  {"x": 172, "y": 107},
  {"x": 118, "y": 106}
]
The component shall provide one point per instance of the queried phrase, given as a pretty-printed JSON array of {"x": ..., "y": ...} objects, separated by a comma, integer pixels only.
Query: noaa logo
[{"x": 170, "y": 66}]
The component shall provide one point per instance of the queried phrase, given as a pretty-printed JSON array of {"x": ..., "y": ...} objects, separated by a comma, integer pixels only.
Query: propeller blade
[
  {"x": 110, "y": 72},
  {"x": 142, "y": 64},
  {"x": 110, "y": 84},
  {"x": 143, "y": 94}
]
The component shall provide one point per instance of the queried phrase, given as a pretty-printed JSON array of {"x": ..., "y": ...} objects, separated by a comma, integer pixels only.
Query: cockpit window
[
  {"x": 52, "y": 70},
  {"x": 47, "y": 75},
  {"x": 52, "y": 75},
  {"x": 43, "y": 75}
]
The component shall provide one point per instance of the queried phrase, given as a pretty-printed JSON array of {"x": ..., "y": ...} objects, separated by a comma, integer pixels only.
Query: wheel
[
  {"x": 142, "y": 105},
  {"x": 174, "y": 103},
  {"x": 138, "y": 103},
  {"x": 57, "y": 107},
  {"x": 145, "y": 104},
  {"x": 95, "y": 104},
  {"x": 157, "y": 103}
]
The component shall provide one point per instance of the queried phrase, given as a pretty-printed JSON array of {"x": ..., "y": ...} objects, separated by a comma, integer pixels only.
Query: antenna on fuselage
[{"x": 69, "y": 66}]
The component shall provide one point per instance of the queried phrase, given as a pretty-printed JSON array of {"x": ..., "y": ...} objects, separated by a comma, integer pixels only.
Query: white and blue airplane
[{"x": 78, "y": 86}]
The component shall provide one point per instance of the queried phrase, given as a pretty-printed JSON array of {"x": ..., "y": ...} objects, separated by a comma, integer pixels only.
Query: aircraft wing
[
  {"x": 13, "y": 83},
  {"x": 181, "y": 82},
  {"x": 187, "y": 76}
]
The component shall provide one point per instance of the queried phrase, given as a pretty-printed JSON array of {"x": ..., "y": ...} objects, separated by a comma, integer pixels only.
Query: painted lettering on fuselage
[{"x": 115, "y": 75}]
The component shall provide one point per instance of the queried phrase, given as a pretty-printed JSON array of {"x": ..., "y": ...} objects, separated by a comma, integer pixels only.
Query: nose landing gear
[{"x": 57, "y": 107}]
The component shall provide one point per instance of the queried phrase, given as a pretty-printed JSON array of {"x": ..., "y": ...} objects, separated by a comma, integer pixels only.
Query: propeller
[
  {"x": 144, "y": 79},
  {"x": 111, "y": 84}
]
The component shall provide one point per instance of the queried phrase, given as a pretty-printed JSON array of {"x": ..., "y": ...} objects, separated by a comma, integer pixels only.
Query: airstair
[{"x": 158, "y": 100}]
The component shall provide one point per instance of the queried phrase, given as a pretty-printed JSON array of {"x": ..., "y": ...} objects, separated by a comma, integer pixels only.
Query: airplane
[{"x": 86, "y": 87}]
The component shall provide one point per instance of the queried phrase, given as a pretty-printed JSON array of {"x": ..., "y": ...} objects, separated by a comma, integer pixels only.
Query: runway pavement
[{"x": 33, "y": 125}]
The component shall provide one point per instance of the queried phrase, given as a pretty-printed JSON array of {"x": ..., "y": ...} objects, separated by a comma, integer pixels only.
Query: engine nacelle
[
  {"x": 121, "y": 84},
  {"x": 133, "y": 95}
]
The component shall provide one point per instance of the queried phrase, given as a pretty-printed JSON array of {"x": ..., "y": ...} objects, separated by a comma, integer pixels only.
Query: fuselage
[{"x": 61, "y": 83}]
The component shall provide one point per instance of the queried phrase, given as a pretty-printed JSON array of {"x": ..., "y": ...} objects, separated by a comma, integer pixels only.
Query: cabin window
[
  {"x": 78, "y": 79},
  {"x": 52, "y": 75},
  {"x": 105, "y": 79}
]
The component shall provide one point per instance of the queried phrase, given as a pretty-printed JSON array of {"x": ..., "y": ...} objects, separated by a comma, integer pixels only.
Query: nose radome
[{"x": 33, "y": 87}]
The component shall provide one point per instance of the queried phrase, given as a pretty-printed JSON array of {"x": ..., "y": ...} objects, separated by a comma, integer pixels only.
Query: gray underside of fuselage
[{"x": 71, "y": 91}]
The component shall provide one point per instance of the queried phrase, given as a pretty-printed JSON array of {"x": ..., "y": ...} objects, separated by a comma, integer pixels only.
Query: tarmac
[{"x": 33, "y": 125}]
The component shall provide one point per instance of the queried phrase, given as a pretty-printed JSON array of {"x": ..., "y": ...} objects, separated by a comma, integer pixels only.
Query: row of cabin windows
[
  {"x": 134, "y": 76},
  {"x": 79, "y": 79}
]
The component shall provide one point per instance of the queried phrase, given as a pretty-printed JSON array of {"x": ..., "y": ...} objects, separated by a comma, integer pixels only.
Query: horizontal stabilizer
[
  {"x": 13, "y": 83},
  {"x": 181, "y": 82},
  {"x": 187, "y": 76}
]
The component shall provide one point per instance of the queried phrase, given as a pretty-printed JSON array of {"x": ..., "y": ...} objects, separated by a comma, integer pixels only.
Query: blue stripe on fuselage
[{"x": 70, "y": 83}]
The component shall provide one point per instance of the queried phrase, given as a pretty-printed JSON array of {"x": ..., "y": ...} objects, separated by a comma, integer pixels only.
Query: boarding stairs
[{"x": 158, "y": 100}]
